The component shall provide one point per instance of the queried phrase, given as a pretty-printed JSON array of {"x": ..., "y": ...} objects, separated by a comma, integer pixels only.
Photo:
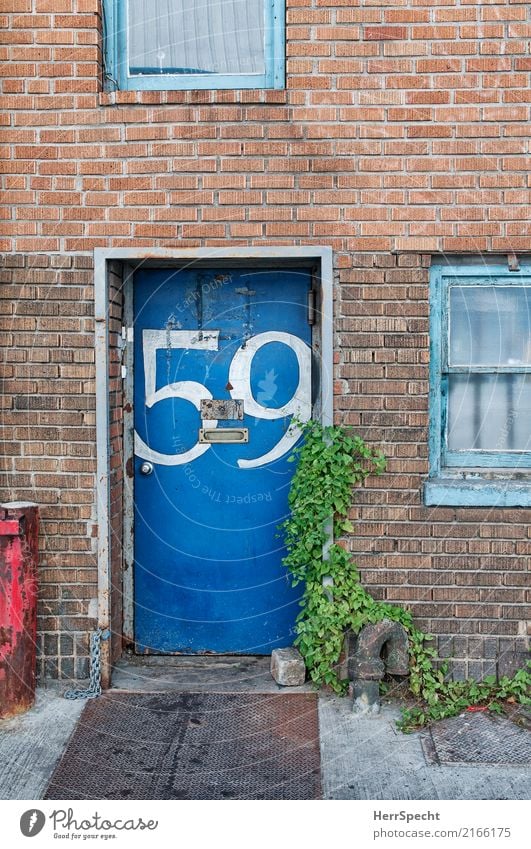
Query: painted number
[
  {"x": 239, "y": 377},
  {"x": 299, "y": 405},
  {"x": 188, "y": 390}
]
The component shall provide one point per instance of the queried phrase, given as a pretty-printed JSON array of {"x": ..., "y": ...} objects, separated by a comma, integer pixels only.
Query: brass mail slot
[{"x": 224, "y": 434}]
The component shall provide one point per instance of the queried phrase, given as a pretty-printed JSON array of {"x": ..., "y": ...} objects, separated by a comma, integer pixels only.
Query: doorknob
[{"x": 146, "y": 469}]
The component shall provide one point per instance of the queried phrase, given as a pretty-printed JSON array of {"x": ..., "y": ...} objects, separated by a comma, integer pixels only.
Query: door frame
[{"x": 128, "y": 260}]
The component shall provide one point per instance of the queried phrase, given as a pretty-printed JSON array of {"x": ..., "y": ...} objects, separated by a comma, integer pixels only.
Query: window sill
[
  {"x": 218, "y": 97},
  {"x": 480, "y": 492}
]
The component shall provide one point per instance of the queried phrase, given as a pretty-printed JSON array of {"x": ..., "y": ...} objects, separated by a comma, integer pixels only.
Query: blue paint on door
[{"x": 208, "y": 556}]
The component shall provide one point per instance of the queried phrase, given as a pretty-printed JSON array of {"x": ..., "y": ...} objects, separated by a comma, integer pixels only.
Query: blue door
[{"x": 222, "y": 364}]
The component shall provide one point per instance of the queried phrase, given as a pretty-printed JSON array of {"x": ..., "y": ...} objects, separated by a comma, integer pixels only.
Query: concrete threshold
[{"x": 198, "y": 674}]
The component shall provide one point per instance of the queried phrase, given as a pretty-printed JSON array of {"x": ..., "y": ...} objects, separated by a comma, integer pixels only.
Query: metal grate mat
[
  {"x": 474, "y": 738},
  {"x": 192, "y": 746}
]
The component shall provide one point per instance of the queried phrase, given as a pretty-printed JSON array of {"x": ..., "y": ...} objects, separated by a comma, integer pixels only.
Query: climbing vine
[{"x": 331, "y": 462}]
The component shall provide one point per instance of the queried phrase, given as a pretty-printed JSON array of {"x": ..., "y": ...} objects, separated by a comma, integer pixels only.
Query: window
[
  {"x": 480, "y": 384},
  {"x": 194, "y": 44}
]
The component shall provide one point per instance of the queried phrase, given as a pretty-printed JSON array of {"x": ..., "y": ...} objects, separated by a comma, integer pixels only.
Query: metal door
[{"x": 222, "y": 363}]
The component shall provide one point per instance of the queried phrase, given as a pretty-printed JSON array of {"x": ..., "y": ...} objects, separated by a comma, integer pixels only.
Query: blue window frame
[
  {"x": 480, "y": 384},
  {"x": 194, "y": 44}
]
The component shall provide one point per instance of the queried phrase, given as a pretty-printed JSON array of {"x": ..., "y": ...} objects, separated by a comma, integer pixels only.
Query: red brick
[
  {"x": 434, "y": 33},
  {"x": 361, "y": 16},
  {"x": 519, "y": 30},
  {"x": 505, "y": 113},
  {"x": 439, "y": 66},
  {"x": 455, "y": 14},
  {"x": 491, "y": 64},
  {"x": 482, "y": 31},
  {"x": 384, "y": 33},
  {"x": 410, "y": 114},
  {"x": 338, "y": 33},
  {"x": 16, "y": 6}
]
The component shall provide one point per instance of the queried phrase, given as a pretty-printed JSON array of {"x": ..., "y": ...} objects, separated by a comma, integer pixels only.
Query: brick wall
[
  {"x": 463, "y": 572},
  {"x": 402, "y": 127},
  {"x": 48, "y": 439},
  {"x": 403, "y": 131}
]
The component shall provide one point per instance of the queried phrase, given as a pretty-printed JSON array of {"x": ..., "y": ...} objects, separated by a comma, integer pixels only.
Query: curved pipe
[{"x": 367, "y": 667}]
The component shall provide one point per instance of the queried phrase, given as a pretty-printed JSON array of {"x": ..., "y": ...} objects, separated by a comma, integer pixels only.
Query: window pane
[
  {"x": 490, "y": 325},
  {"x": 489, "y": 411},
  {"x": 196, "y": 36}
]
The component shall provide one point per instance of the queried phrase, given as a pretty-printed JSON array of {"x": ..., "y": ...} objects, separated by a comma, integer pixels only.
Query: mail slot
[{"x": 224, "y": 434}]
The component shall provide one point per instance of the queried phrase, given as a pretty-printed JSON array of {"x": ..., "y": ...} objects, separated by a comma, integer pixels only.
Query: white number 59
[{"x": 299, "y": 404}]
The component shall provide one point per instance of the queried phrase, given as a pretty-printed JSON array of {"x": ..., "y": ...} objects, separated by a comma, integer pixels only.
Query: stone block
[{"x": 287, "y": 667}]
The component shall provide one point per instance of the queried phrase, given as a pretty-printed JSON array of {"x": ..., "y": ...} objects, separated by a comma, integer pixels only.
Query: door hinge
[
  {"x": 311, "y": 306},
  {"x": 125, "y": 336},
  {"x": 124, "y": 372},
  {"x": 312, "y": 298}
]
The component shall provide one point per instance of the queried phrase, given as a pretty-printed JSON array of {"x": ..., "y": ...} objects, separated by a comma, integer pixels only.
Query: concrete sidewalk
[
  {"x": 360, "y": 758},
  {"x": 370, "y": 758},
  {"x": 32, "y": 743}
]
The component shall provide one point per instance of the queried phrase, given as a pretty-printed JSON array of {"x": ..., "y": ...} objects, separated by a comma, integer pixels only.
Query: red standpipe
[{"x": 19, "y": 530}]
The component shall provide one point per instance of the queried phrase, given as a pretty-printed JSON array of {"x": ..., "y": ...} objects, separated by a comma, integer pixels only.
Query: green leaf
[{"x": 330, "y": 461}]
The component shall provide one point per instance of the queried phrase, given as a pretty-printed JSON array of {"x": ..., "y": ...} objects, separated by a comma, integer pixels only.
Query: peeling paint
[{"x": 18, "y": 605}]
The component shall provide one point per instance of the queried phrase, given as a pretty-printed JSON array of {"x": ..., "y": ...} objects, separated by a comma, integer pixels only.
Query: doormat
[
  {"x": 477, "y": 738},
  {"x": 192, "y": 746}
]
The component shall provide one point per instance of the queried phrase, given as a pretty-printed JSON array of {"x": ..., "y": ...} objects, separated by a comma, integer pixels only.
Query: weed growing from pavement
[{"x": 331, "y": 461}]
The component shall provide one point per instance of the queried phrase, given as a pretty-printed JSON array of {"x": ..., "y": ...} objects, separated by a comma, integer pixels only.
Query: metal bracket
[
  {"x": 211, "y": 408},
  {"x": 512, "y": 261}
]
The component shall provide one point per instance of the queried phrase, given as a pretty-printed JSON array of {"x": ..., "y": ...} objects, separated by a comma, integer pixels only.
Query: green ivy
[{"x": 331, "y": 461}]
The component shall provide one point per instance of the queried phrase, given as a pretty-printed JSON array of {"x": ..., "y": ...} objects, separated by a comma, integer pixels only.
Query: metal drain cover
[
  {"x": 477, "y": 738},
  {"x": 192, "y": 746}
]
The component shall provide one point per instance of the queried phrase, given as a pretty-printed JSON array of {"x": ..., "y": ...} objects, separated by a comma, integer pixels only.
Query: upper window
[
  {"x": 480, "y": 375},
  {"x": 194, "y": 44}
]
